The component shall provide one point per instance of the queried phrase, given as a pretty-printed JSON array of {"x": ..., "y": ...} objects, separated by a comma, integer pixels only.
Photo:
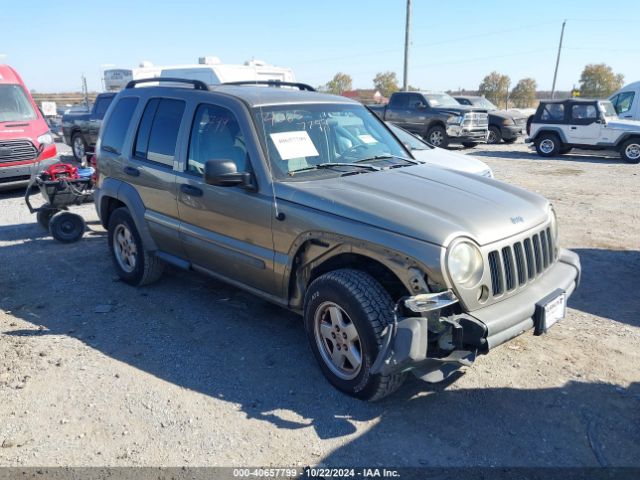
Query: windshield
[
  {"x": 484, "y": 103},
  {"x": 410, "y": 140},
  {"x": 300, "y": 137},
  {"x": 14, "y": 104},
  {"x": 441, "y": 100},
  {"x": 607, "y": 108}
]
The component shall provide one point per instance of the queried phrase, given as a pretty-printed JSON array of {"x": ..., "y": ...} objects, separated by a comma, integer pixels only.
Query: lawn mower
[{"x": 61, "y": 185}]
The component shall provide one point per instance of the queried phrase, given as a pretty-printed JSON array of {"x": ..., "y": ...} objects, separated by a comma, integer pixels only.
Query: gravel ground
[{"x": 193, "y": 372}]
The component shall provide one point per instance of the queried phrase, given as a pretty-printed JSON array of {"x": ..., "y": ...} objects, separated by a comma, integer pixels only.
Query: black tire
[
  {"x": 145, "y": 267},
  {"x": 437, "y": 136},
  {"x": 78, "y": 147},
  {"x": 43, "y": 216},
  {"x": 469, "y": 144},
  {"x": 565, "y": 149},
  {"x": 630, "y": 151},
  {"x": 494, "y": 135},
  {"x": 548, "y": 144},
  {"x": 509, "y": 140},
  {"x": 67, "y": 227},
  {"x": 368, "y": 308}
]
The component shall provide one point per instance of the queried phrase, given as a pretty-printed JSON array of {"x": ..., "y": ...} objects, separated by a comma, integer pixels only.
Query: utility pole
[
  {"x": 407, "y": 41},
  {"x": 85, "y": 92},
  {"x": 555, "y": 73}
]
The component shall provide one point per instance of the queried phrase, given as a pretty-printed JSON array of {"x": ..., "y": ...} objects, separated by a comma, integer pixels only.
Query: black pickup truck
[
  {"x": 436, "y": 117},
  {"x": 80, "y": 130}
]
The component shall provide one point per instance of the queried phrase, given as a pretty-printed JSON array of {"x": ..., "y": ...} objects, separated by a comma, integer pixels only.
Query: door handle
[
  {"x": 574, "y": 128},
  {"x": 191, "y": 190},
  {"x": 134, "y": 172},
  {"x": 628, "y": 116}
]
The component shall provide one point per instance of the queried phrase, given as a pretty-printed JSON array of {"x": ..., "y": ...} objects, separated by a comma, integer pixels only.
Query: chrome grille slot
[
  {"x": 17, "y": 150},
  {"x": 545, "y": 249},
  {"x": 520, "y": 264},
  {"x": 528, "y": 250},
  {"x": 496, "y": 273},
  {"x": 507, "y": 259},
  {"x": 537, "y": 253}
]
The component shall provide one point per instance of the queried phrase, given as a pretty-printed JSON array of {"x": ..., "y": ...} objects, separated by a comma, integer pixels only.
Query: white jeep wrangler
[{"x": 560, "y": 125}]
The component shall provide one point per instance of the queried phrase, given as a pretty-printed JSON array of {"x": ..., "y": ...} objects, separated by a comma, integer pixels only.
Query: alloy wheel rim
[
  {"x": 125, "y": 249},
  {"x": 547, "y": 146},
  {"x": 338, "y": 341},
  {"x": 435, "y": 138},
  {"x": 78, "y": 147},
  {"x": 493, "y": 138},
  {"x": 633, "y": 151}
]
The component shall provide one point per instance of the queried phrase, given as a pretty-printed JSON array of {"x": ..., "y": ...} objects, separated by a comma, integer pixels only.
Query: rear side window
[
  {"x": 553, "y": 112},
  {"x": 116, "y": 128},
  {"x": 399, "y": 101},
  {"x": 583, "y": 113},
  {"x": 158, "y": 131},
  {"x": 101, "y": 106}
]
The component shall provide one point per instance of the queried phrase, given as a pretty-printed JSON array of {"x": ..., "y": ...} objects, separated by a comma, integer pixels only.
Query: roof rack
[
  {"x": 197, "y": 84},
  {"x": 273, "y": 83}
]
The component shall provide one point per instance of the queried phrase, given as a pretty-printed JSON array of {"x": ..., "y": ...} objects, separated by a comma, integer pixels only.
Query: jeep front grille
[
  {"x": 515, "y": 265},
  {"x": 17, "y": 150},
  {"x": 475, "y": 119}
]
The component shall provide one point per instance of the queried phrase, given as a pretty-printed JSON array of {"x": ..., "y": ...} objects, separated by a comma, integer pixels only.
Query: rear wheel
[
  {"x": 548, "y": 144},
  {"x": 345, "y": 313},
  {"x": 494, "y": 135},
  {"x": 134, "y": 265},
  {"x": 67, "y": 227},
  {"x": 78, "y": 147},
  {"x": 630, "y": 151},
  {"x": 437, "y": 136}
]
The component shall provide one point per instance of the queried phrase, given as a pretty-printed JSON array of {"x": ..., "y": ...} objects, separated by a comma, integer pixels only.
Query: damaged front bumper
[{"x": 406, "y": 341}]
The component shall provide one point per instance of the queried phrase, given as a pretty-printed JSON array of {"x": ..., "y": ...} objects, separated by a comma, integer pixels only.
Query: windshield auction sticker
[{"x": 294, "y": 144}]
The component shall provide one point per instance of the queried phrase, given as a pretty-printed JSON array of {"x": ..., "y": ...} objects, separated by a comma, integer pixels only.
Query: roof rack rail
[
  {"x": 197, "y": 84},
  {"x": 273, "y": 83}
]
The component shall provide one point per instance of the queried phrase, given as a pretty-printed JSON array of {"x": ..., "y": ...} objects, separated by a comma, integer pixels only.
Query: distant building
[{"x": 366, "y": 96}]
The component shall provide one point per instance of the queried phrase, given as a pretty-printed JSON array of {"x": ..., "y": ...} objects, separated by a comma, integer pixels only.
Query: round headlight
[
  {"x": 465, "y": 264},
  {"x": 45, "y": 138}
]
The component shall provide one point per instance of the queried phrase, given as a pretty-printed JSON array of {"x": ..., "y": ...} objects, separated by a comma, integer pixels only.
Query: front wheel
[
  {"x": 548, "y": 144},
  {"x": 134, "y": 265},
  {"x": 494, "y": 135},
  {"x": 345, "y": 313},
  {"x": 630, "y": 151},
  {"x": 67, "y": 227},
  {"x": 78, "y": 146},
  {"x": 437, "y": 136}
]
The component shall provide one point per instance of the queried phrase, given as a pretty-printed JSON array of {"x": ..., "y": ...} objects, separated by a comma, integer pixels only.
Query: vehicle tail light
[{"x": 94, "y": 163}]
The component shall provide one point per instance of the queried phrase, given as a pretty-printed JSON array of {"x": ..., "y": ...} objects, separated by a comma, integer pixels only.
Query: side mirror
[
  {"x": 421, "y": 106},
  {"x": 224, "y": 173}
]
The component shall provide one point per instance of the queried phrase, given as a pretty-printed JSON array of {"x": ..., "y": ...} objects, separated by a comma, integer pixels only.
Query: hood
[
  {"x": 626, "y": 125},
  {"x": 29, "y": 129},
  {"x": 453, "y": 160},
  {"x": 505, "y": 114},
  {"x": 424, "y": 202}
]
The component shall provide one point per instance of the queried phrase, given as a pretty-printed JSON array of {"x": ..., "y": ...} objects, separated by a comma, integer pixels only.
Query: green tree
[
  {"x": 386, "y": 83},
  {"x": 599, "y": 81},
  {"x": 495, "y": 87},
  {"x": 341, "y": 82},
  {"x": 523, "y": 94}
]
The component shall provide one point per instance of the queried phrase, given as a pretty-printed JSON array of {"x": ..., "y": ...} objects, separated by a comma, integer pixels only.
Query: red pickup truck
[{"x": 24, "y": 134}]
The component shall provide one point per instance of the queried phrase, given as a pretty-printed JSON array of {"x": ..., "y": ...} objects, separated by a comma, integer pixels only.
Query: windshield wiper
[
  {"x": 320, "y": 166},
  {"x": 389, "y": 156}
]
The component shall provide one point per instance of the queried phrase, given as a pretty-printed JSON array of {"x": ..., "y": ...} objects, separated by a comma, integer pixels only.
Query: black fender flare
[{"x": 127, "y": 195}]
